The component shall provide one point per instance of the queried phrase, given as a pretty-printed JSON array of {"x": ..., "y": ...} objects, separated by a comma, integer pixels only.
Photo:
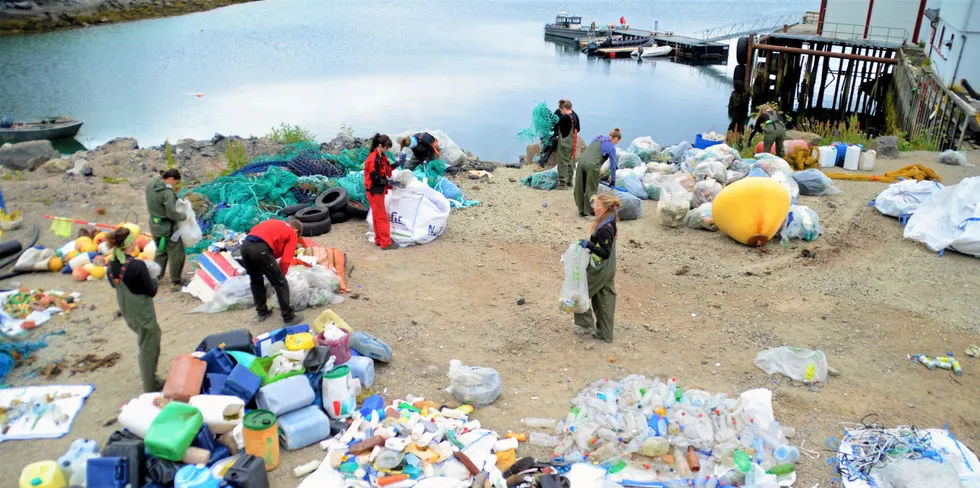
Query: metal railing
[
  {"x": 927, "y": 109},
  {"x": 854, "y": 32},
  {"x": 757, "y": 26}
]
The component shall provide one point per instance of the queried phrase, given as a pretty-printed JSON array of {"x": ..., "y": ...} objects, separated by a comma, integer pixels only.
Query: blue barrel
[
  {"x": 702, "y": 143},
  {"x": 841, "y": 152}
]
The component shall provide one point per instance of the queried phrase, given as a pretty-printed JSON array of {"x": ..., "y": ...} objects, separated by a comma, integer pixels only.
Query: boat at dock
[
  {"x": 48, "y": 129},
  {"x": 567, "y": 27},
  {"x": 654, "y": 51},
  {"x": 620, "y": 40}
]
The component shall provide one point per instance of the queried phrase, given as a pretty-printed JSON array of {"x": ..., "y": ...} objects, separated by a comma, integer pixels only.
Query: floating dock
[{"x": 684, "y": 47}]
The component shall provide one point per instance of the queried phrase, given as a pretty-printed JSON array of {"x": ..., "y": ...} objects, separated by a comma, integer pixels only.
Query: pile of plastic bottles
[{"x": 648, "y": 430}]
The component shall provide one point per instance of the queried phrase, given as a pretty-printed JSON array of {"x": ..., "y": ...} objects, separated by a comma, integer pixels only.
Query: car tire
[
  {"x": 334, "y": 199},
  {"x": 314, "y": 229},
  {"x": 738, "y": 78},
  {"x": 292, "y": 209},
  {"x": 311, "y": 215},
  {"x": 339, "y": 217},
  {"x": 356, "y": 210},
  {"x": 742, "y": 50}
]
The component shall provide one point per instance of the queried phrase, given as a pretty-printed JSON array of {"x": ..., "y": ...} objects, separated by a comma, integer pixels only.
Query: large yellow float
[{"x": 751, "y": 210}]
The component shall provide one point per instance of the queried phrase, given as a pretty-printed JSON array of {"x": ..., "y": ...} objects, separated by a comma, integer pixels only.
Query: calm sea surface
[{"x": 474, "y": 68}]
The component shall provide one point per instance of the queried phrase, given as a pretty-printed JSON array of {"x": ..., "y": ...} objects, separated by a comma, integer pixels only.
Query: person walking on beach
[
  {"x": 161, "y": 202},
  {"x": 602, "y": 274},
  {"x": 377, "y": 182},
  {"x": 424, "y": 146},
  {"x": 566, "y": 145},
  {"x": 266, "y": 242},
  {"x": 587, "y": 176},
  {"x": 135, "y": 289},
  {"x": 773, "y": 129}
]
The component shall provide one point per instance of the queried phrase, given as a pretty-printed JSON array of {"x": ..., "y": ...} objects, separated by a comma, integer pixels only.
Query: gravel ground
[{"x": 692, "y": 304}]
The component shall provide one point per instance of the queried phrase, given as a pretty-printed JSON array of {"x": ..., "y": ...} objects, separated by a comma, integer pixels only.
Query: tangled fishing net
[{"x": 543, "y": 121}]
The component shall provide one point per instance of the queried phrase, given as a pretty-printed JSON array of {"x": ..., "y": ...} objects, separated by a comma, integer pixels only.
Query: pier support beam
[{"x": 829, "y": 54}]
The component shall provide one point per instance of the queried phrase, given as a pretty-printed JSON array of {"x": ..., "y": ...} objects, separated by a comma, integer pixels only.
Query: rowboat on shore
[{"x": 54, "y": 128}]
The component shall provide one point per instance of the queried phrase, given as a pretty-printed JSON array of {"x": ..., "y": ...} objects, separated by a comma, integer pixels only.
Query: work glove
[
  {"x": 401, "y": 160},
  {"x": 584, "y": 244}
]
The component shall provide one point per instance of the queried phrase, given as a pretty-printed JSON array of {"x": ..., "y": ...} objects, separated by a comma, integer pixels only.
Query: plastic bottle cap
[{"x": 36, "y": 482}]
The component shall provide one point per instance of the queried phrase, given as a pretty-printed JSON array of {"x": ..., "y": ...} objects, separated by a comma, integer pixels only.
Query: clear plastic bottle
[
  {"x": 563, "y": 446},
  {"x": 655, "y": 446},
  {"x": 605, "y": 452},
  {"x": 543, "y": 440},
  {"x": 786, "y": 454},
  {"x": 540, "y": 423},
  {"x": 607, "y": 435}
]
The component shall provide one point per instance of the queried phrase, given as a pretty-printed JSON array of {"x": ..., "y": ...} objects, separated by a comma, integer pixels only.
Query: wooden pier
[{"x": 685, "y": 47}]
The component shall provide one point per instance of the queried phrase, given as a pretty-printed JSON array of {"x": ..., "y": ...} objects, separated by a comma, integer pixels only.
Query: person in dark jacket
[
  {"x": 377, "y": 182},
  {"x": 266, "y": 242},
  {"x": 424, "y": 146},
  {"x": 135, "y": 289},
  {"x": 161, "y": 201},
  {"x": 566, "y": 146},
  {"x": 589, "y": 165},
  {"x": 602, "y": 274},
  {"x": 773, "y": 129},
  {"x": 549, "y": 147}
]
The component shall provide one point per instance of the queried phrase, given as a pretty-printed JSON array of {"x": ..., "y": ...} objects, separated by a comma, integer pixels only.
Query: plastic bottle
[
  {"x": 655, "y": 446},
  {"x": 74, "y": 461},
  {"x": 607, "y": 435},
  {"x": 604, "y": 453},
  {"x": 563, "y": 446},
  {"x": 543, "y": 440},
  {"x": 540, "y": 423},
  {"x": 781, "y": 469},
  {"x": 786, "y": 454}
]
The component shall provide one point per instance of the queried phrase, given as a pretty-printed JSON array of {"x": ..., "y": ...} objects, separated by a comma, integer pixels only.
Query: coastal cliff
[{"x": 25, "y": 16}]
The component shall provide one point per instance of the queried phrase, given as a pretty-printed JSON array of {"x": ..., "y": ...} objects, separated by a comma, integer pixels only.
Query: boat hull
[{"x": 38, "y": 132}]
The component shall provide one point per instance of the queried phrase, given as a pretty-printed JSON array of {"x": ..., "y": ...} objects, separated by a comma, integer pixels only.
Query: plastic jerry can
[
  {"x": 42, "y": 474},
  {"x": 205, "y": 439},
  {"x": 74, "y": 462},
  {"x": 173, "y": 431},
  {"x": 242, "y": 383},
  {"x": 841, "y": 149},
  {"x": 328, "y": 316},
  {"x": 868, "y": 160},
  {"x": 299, "y": 342},
  {"x": 217, "y": 361},
  {"x": 852, "y": 158},
  {"x": 137, "y": 415},
  {"x": 191, "y": 476},
  {"x": 271, "y": 343},
  {"x": 296, "y": 329},
  {"x": 370, "y": 346},
  {"x": 261, "y": 437},
  {"x": 362, "y": 368},
  {"x": 247, "y": 472},
  {"x": 338, "y": 393},
  {"x": 302, "y": 428},
  {"x": 185, "y": 378},
  {"x": 828, "y": 156},
  {"x": 233, "y": 340},
  {"x": 213, "y": 383},
  {"x": 221, "y": 412},
  {"x": 285, "y": 395},
  {"x": 107, "y": 472},
  {"x": 133, "y": 452}
]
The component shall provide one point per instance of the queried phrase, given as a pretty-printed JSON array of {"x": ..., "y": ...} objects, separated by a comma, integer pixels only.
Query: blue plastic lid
[{"x": 36, "y": 482}]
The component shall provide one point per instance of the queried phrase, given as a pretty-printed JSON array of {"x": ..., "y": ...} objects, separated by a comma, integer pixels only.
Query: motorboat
[
  {"x": 645, "y": 52},
  {"x": 47, "y": 129}
]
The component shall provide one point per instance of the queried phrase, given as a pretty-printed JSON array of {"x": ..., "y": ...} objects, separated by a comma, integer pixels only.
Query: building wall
[
  {"x": 897, "y": 14},
  {"x": 959, "y": 27}
]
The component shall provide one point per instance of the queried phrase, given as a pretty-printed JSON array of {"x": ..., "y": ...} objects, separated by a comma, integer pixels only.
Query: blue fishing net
[{"x": 543, "y": 121}]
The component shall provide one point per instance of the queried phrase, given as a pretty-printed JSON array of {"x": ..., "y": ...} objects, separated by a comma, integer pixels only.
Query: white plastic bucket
[
  {"x": 828, "y": 156},
  {"x": 852, "y": 158}
]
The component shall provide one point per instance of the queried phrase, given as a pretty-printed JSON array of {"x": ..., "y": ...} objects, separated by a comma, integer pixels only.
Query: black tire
[
  {"x": 339, "y": 217},
  {"x": 312, "y": 215},
  {"x": 742, "y": 50},
  {"x": 292, "y": 209},
  {"x": 738, "y": 78},
  {"x": 334, "y": 199},
  {"x": 356, "y": 210},
  {"x": 314, "y": 229}
]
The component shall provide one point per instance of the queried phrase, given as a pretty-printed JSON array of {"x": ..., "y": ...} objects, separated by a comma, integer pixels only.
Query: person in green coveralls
[
  {"x": 161, "y": 201},
  {"x": 601, "y": 276},
  {"x": 135, "y": 289},
  {"x": 589, "y": 164},
  {"x": 565, "y": 130}
]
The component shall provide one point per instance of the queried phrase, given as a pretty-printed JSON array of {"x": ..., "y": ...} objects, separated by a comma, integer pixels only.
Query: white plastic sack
[
  {"x": 722, "y": 153},
  {"x": 918, "y": 473},
  {"x": 715, "y": 170},
  {"x": 235, "y": 293},
  {"x": 903, "y": 197},
  {"x": 626, "y": 159},
  {"x": 188, "y": 229},
  {"x": 801, "y": 223},
  {"x": 673, "y": 207},
  {"x": 950, "y": 219},
  {"x": 631, "y": 184},
  {"x": 574, "y": 296},
  {"x": 795, "y": 362},
  {"x": 474, "y": 385},
  {"x": 772, "y": 163},
  {"x": 312, "y": 287},
  {"x": 813, "y": 182},
  {"x": 700, "y": 218},
  {"x": 705, "y": 191},
  {"x": 448, "y": 150},
  {"x": 789, "y": 183},
  {"x": 418, "y": 214},
  {"x": 644, "y": 147},
  {"x": 34, "y": 259}
]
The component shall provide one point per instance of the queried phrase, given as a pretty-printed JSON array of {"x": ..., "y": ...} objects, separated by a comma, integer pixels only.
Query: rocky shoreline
[{"x": 27, "y": 16}]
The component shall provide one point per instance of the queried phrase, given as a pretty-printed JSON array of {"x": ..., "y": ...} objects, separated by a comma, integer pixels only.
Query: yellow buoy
[
  {"x": 96, "y": 272},
  {"x": 55, "y": 264},
  {"x": 71, "y": 255},
  {"x": 100, "y": 238},
  {"x": 88, "y": 247},
  {"x": 82, "y": 241},
  {"x": 751, "y": 210}
]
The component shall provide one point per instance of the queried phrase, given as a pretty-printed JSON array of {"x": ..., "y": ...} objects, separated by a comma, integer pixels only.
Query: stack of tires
[
  {"x": 333, "y": 206},
  {"x": 741, "y": 57}
]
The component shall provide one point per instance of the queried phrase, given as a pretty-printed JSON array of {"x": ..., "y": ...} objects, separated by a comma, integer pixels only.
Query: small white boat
[{"x": 651, "y": 51}]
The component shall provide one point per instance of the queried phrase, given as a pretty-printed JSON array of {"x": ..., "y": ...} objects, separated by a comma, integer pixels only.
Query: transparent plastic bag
[
  {"x": 917, "y": 473},
  {"x": 738, "y": 170},
  {"x": 677, "y": 151},
  {"x": 795, "y": 362},
  {"x": 685, "y": 179},
  {"x": 474, "y": 385},
  {"x": 721, "y": 153},
  {"x": 575, "y": 289},
  {"x": 235, "y": 293},
  {"x": 312, "y": 287},
  {"x": 705, "y": 191},
  {"x": 632, "y": 184},
  {"x": 700, "y": 218},
  {"x": 644, "y": 147},
  {"x": 955, "y": 158},
  {"x": 626, "y": 159},
  {"x": 813, "y": 182},
  {"x": 790, "y": 184},
  {"x": 774, "y": 163},
  {"x": 188, "y": 230},
  {"x": 801, "y": 223},
  {"x": 715, "y": 170},
  {"x": 673, "y": 207},
  {"x": 632, "y": 208}
]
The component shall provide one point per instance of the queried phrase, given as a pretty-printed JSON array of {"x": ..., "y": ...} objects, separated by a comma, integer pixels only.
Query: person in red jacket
[
  {"x": 266, "y": 242},
  {"x": 377, "y": 182}
]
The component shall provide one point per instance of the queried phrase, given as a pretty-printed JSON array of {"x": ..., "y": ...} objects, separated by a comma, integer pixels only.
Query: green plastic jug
[{"x": 172, "y": 431}]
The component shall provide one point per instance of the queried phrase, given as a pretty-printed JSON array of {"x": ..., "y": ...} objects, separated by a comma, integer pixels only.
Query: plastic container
[
  {"x": 702, "y": 143},
  {"x": 827, "y": 157},
  {"x": 299, "y": 342},
  {"x": 247, "y": 472},
  {"x": 338, "y": 393},
  {"x": 786, "y": 454},
  {"x": 133, "y": 453},
  {"x": 107, "y": 472},
  {"x": 42, "y": 474},
  {"x": 221, "y": 413},
  {"x": 788, "y": 146},
  {"x": 868, "y": 160},
  {"x": 841, "y": 149},
  {"x": 655, "y": 446},
  {"x": 340, "y": 348},
  {"x": 185, "y": 378},
  {"x": 191, "y": 476},
  {"x": 362, "y": 368},
  {"x": 220, "y": 467},
  {"x": 852, "y": 158},
  {"x": 261, "y": 437},
  {"x": 172, "y": 432},
  {"x": 328, "y": 316},
  {"x": 285, "y": 396},
  {"x": 217, "y": 361},
  {"x": 271, "y": 343},
  {"x": 233, "y": 340},
  {"x": 370, "y": 346},
  {"x": 213, "y": 383},
  {"x": 73, "y": 462},
  {"x": 242, "y": 383},
  {"x": 261, "y": 366},
  {"x": 303, "y": 427},
  {"x": 137, "y": 415}
]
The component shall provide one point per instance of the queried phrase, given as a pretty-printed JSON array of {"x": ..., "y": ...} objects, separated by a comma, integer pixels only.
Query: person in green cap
[
  {"x": 135, "y": 289},
  {"x": 602, "y": 273},
  {"x": 161, "y": 201}
]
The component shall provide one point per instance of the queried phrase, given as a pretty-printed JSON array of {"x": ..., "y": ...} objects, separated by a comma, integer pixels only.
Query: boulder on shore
[
  {"x": 119, "y": 144},
  {"x": 887, "y": 147},
  {"x": 810, "y": 138},
  {"x": 28, "y": 155},
  {"x": 56, "y": 165}
]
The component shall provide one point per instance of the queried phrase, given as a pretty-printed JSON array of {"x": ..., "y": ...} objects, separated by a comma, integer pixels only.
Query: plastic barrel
[{"x": 261, "y": 434}]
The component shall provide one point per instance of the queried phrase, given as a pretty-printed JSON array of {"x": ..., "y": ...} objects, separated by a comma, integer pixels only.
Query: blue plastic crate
[{"x": 107, "y": 472}]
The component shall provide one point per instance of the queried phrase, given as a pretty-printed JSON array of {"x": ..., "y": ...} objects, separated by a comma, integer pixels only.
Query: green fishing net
[
  {"x": 543, "y": 121},
  {"x": 245, "y": 201},
  {"x": 431, "y": 172},
  {"x": 354, "y": 184}
]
